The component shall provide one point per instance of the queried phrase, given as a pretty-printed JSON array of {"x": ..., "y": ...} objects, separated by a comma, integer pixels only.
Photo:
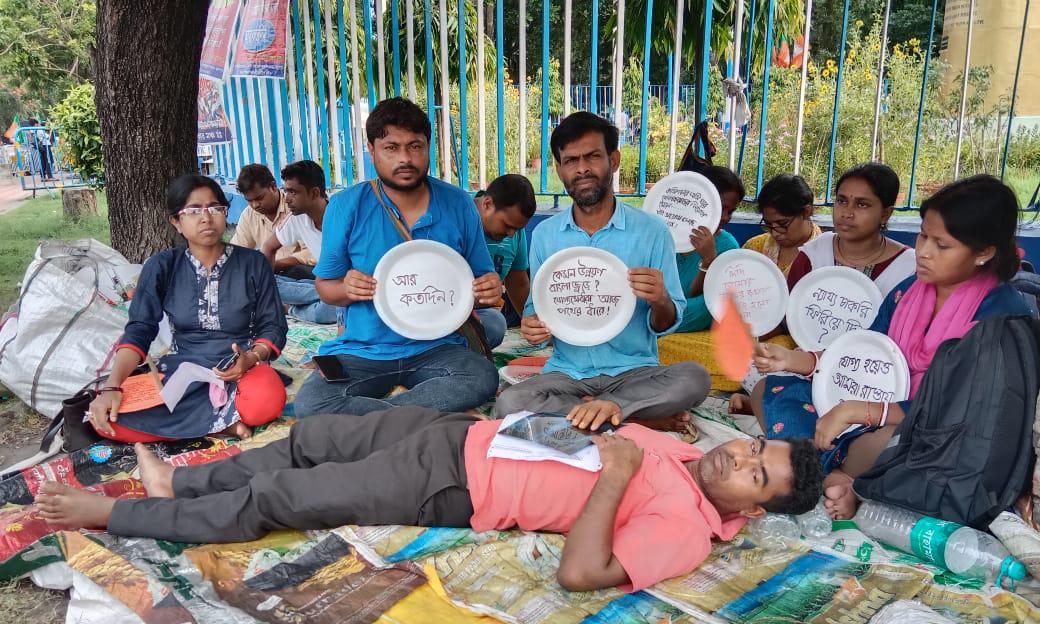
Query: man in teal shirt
[
  {"x": 505, "y": 208},
  {"x": 621, "y": 378}
]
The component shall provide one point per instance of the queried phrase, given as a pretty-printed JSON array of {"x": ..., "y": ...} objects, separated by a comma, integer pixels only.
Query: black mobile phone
[
  {"x": 228, "y": 362},
  {"x": 330, "y": 367}
]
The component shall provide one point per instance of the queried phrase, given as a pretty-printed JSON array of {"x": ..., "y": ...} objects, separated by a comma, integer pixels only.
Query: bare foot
[
  {"x": 676, "y": 423},
  {"x": 66, "y": 506},
  {"x": 238, "y": 430},
  {"x": 156, "y": 475},
  {"x": 740, "y": 404},
  {"x": 841, "y": 501}
]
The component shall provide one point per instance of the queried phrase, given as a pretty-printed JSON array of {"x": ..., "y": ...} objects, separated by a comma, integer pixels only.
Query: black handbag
[
  {"x": 76, "y": 433},
  {"x": 691, "y": 161}
]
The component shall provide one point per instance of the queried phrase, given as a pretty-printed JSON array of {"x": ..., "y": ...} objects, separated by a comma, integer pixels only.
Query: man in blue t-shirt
[
  {"x": 505, "y": 208},
  {"x": 358, "y": 230},
  {"x": 621, "y": 378}
]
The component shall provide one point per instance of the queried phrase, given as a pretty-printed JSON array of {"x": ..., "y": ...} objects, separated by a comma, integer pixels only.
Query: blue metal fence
[{"x": 317, "y": 112}]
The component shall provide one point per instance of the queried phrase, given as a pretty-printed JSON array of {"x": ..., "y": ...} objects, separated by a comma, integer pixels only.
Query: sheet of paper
[
  {"x": 140, "y": 392},
  {"x": 506, "y": 447},
  {"x": 187, "y": 374}
]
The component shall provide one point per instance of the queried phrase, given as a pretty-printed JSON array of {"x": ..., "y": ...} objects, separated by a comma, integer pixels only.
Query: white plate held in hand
[
  {"x": 861, "y": 365},
  {"x": 424, "y": 289},
  {"x": 686, "y": 201},
  {"x": 583, "y": 296},
  {"x": 828, "y": 303},
  {"x": 758, "y": 286}
]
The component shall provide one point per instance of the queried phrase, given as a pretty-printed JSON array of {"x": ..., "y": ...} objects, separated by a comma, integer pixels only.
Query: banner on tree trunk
[
  {"x": 220, "y": 24},
  {"x": 213, "y": 122},
  {"x": 260, "y": 49}
]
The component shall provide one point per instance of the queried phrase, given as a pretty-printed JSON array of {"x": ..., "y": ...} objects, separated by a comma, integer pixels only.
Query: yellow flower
[
  {"x": 859, "y": 23},
  {"x": 914, "y": 41},
  {"x": 852, "y": 54}
]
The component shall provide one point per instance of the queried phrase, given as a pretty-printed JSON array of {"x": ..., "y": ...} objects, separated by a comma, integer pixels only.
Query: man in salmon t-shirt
[{"x": 648, "y": 515}]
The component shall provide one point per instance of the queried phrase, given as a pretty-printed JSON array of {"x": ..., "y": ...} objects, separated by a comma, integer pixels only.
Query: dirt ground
[{"x": 20, "y": 432}]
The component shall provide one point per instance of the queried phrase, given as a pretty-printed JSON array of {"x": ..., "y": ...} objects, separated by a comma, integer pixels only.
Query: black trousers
[{"x": 399, "y": 466}]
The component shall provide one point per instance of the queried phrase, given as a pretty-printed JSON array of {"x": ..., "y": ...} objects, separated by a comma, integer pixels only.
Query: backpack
[{"x": 964, "y": 452}]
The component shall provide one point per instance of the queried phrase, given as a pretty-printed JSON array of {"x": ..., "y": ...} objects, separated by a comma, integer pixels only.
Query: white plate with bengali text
[
  {"x": 686, "y": 201},
  {"x": 828, "y": 303},
  {"x": 861, "y": 365},
  {"x": 424, "y": 289},
  {"x": 583, "y": 296},
  {"x": 758, "y": 286}
]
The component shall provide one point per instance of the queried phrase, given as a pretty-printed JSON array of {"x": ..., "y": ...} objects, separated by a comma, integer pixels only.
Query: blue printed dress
[
  {"x": 787, "y": 401},
  {"x": 236, "y": 302}
]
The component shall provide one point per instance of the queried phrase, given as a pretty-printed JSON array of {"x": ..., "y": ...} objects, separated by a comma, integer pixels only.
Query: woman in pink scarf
[{"x": 966, "y": 253}]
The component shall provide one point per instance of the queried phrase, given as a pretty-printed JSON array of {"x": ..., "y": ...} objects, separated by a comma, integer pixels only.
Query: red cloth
[
  {"x": 259, "y": 400},
  {"x": 261, "y": 396},
  {"x": 128, "y": 435}
]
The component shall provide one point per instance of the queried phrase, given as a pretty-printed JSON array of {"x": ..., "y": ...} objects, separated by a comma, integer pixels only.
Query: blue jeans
[
  {"x": 449, "y": 378},
  {"x": 494, "y": 325},
  {"x": 302, "y": 298}
]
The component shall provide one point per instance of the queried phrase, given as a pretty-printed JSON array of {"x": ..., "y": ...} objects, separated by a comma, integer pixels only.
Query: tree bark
[
  {"x": 146, "y": 64},
  {"x": 78, "y": 203}
]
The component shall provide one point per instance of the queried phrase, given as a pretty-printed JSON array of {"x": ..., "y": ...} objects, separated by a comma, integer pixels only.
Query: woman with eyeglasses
[
  {"x": 223, "y": 307},
  {"x": 786, "y": 206},
  {"x": 864, "y": 199}
]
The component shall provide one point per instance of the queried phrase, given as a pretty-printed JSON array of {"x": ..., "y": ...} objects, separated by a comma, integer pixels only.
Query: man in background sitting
[{"x": 505, "y": 208}]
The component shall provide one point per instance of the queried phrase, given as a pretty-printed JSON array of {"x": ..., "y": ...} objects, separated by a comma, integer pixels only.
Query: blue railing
[{"x": 317, "y": 115}]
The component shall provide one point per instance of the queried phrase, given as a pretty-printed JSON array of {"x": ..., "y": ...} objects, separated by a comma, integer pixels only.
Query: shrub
[{"x": 79, "y": 133}]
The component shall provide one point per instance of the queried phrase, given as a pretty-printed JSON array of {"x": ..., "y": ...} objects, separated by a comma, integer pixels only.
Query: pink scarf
[{"x": 918, "y": 335}]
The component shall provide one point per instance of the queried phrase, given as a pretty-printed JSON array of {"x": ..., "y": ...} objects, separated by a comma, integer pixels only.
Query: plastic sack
[{"x": 69, "y": 315}]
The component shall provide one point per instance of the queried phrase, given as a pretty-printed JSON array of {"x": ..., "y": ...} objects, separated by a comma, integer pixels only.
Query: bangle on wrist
[
  {"x": 884, "y": 414},
  {"x": 110, "y": 389},
  {"x": 816, "y": 362},
  {"x": 868, "y": 423}
]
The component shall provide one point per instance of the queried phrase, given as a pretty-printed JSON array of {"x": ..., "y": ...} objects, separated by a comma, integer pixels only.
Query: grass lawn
[{"x": 34, "y": 220}]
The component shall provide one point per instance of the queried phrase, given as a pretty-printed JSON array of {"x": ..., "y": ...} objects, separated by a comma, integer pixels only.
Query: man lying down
[{"x": 648, "y": 515}]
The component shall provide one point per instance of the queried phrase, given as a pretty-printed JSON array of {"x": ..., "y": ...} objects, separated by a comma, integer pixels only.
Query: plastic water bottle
[
  {"x": 816, "y": 522},
  {"x": 774, "y": 531},
  {"x": 960, "y": 549}
]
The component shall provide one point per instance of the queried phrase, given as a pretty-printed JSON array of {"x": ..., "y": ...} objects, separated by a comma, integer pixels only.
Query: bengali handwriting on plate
[
  {"x": 677, "y": 199},
  {"x": 576, "y": 292},
  {"x": 425, "y": 296},
  {"x": 864, "y": 378},
  {"x": 746, "y": 291},
  {"x": 836, "y": 313}
]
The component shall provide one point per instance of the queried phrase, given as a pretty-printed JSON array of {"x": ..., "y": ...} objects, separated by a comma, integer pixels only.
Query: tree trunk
[
  {"x": 146, "y": 76},
  {"x": 78, "y": 203}
]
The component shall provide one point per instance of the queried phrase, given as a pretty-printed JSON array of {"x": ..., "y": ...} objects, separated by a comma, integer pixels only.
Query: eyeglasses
[
  {"x": 197, "y": 211},
  {"x": 779, "y": 227}
]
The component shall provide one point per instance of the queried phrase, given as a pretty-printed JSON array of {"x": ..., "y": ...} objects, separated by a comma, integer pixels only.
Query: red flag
[{"x": 732, "y": 340}]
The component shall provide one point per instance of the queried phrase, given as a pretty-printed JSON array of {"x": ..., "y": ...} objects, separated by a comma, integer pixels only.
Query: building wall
[{"x": 995, "y": 42}]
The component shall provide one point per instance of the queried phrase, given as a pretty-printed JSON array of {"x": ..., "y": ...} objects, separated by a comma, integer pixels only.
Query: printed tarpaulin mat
[
  {"x": 410, "y": 574},
  {"x": 413, "y": 575}
]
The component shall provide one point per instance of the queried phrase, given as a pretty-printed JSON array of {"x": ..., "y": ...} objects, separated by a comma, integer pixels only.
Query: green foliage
[
  {"x": 983, "y": 133},
  {"x": 45, "y": 48},
  {"x": 76, "y": 122},
  {"x": 10, "y": 105}
]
